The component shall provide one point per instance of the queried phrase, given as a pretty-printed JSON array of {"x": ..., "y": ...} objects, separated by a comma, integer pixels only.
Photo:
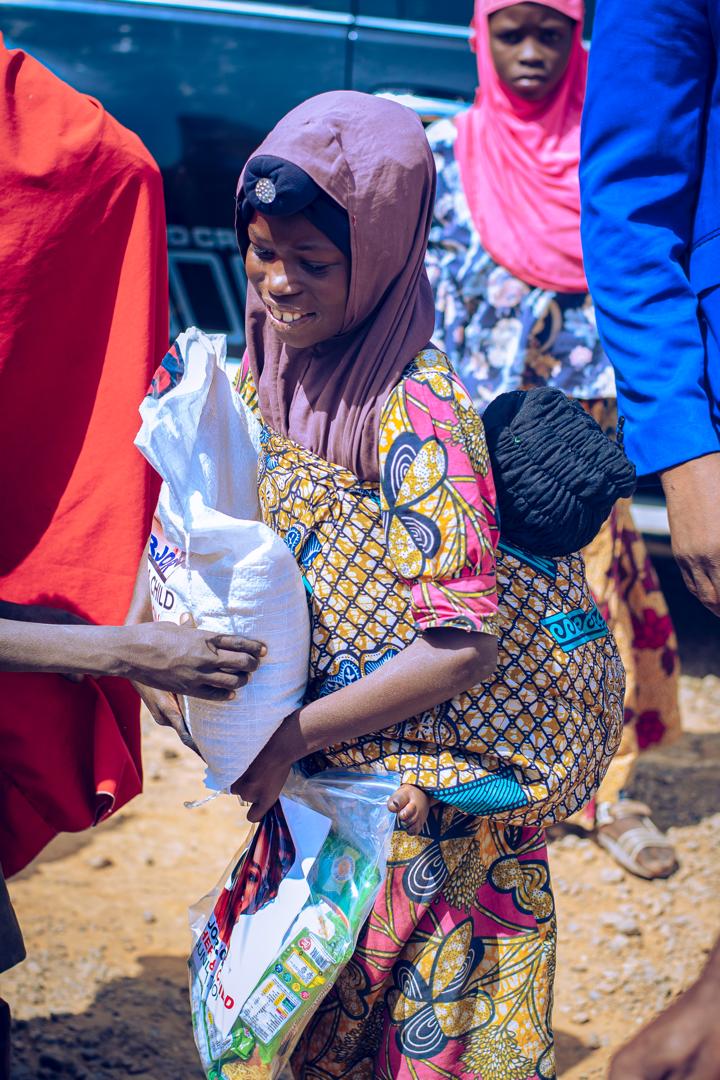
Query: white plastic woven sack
[{"x": 210, "y": 556}]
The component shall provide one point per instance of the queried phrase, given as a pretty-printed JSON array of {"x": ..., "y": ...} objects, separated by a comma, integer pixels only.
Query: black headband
[{"x": 274, "y": 187}]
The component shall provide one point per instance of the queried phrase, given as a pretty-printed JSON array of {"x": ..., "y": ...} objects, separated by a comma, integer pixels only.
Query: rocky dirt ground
[{"x": 103, "y": 994}]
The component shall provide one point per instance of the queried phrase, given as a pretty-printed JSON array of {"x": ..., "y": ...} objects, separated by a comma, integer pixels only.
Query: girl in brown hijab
[{"x": 374, "y": 469}]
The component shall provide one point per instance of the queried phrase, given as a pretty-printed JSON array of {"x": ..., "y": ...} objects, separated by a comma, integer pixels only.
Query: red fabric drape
[{"x": 83, "y": 323}]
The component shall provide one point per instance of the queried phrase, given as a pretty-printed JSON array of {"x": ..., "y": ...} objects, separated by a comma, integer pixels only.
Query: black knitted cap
[
  {"x": 275, "y": 187},
  {"x": 557, "y": 474}
]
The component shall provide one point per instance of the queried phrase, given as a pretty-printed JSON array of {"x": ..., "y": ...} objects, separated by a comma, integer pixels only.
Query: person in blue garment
[
  {"x": 650, "y": 186},
  {"x": 650, "y": 182}
]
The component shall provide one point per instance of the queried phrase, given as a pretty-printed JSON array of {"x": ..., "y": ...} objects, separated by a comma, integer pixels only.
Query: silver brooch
[{"x": 265, "y": 190}]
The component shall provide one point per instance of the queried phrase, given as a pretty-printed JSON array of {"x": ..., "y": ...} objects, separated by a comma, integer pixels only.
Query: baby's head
[{"x": 557, "y": 474}]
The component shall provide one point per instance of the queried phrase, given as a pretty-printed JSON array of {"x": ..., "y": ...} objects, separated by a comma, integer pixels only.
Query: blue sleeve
[{"x": 651, "y": 66}]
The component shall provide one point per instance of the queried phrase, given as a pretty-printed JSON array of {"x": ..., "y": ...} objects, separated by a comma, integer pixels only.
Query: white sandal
[{"x": 627, "y": 848}]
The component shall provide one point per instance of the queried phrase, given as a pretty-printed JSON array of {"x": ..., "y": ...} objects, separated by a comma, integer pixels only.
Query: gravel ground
[{"x": 103, "y": 994}]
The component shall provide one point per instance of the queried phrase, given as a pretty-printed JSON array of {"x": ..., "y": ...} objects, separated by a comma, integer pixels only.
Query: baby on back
[{"x": 552, "y": 711}]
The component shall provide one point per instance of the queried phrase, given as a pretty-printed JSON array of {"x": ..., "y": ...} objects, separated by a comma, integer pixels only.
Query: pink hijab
[
  {"x": 519, "y": 163},
  {"x": 373, "y": 158}
]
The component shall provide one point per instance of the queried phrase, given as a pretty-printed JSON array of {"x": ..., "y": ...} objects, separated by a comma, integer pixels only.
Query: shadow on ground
[
  {"x": 66, "y": 844},
  {"x": 682, "y": 782},
  {"x": 140, "y": 1027},
  {"x": 569, "y": 1051},
  {"x": 136, "y": 1027}
]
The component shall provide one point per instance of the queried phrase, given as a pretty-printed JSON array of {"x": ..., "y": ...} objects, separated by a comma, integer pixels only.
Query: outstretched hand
[
  {"x": 165, "y": 660},
  {"x": 165, "y": 710},
  {"x": 184, "y": 660}
]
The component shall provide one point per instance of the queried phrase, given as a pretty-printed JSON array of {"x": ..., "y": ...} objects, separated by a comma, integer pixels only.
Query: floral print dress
[
  {"x": 383, "y": 562},
  {"x": 500, "y": 333},
  {"x": 453, "y": 972}
]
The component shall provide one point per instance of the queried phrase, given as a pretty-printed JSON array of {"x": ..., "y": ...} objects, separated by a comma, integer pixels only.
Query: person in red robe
[{"x": 83, "y": 324}]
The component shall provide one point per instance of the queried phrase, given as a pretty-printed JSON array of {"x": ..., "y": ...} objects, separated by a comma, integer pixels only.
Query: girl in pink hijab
[
  {"x": 518, "y": 148},
  {"x": 512, "y": 311}
]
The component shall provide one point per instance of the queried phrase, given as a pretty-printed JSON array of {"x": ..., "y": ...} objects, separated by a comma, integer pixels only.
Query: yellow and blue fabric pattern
[{"x": 384, "y": 562}]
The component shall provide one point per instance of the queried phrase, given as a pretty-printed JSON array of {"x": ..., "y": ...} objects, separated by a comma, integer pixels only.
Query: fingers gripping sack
[{"x": 212, "y": 558}]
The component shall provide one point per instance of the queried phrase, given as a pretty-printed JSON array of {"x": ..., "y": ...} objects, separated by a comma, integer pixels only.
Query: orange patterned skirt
[
  {"x": 629, "y": 596},
  {"x": 452, "y": 976}
]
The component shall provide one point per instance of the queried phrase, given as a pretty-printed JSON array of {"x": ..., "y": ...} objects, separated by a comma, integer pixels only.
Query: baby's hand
[{"x": 412, "y": 807}]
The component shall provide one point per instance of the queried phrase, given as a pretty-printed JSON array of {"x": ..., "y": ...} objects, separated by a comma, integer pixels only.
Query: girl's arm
[
  {"x": 437, "y": 666},
  {"x": 451, "y": 589}
]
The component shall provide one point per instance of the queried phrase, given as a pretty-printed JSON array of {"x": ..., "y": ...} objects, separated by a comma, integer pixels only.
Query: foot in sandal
[{"x": 627, "y": 832}]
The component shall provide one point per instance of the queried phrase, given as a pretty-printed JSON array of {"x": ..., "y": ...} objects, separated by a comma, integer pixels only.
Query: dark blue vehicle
[{"x": 202, "y": 81}]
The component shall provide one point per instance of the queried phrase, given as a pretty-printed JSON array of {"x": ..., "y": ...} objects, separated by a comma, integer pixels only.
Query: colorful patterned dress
[
  {"x": 453, "y": 973},
  {"x": 502, "y": 334}
]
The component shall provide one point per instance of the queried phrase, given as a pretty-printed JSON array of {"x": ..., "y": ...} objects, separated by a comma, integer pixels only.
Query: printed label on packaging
[
  {"x": 320, "y": 957},
  {"x": 306, "y": 973},
  {"x": 163, "y": 559},
  {"x": 217, "y": 1042},
  {"x": 269, "y": 1008}
]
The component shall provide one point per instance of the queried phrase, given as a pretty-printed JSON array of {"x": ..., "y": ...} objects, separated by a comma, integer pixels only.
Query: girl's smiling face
[{"x": 300, "y": 277}]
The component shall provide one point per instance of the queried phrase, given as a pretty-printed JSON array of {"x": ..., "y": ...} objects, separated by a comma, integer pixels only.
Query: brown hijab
[{"x": 373, "y": 158}]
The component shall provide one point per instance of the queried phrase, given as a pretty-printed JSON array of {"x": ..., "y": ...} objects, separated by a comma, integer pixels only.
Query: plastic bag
[
  {"x": 211, "y": 557},
  {"x": 271, "y": 941}
]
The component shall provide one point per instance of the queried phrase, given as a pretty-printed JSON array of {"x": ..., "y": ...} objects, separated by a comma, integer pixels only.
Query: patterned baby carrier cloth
[{"x": 531, "y": 744}]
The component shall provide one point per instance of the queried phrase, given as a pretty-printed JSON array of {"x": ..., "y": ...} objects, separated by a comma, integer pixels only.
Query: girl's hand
[
  {"x": 261, "y": 784},
  {"x": 165, "y": 710}
]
